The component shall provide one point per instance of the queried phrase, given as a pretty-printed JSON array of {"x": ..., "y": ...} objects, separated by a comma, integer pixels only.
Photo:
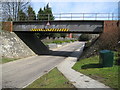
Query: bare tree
[{"x": 10, "y": 10}]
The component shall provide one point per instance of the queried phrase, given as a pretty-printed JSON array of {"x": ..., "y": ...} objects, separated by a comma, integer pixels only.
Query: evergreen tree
[
  {"x": 49, "y": 16},
  {"x": 48, "y": 11},
  {"x": 22, "y": 16},
  {"x": 45, "y": 13},
  {"x": 31, "y": 13},
  {"x": 40, "y": 15}
]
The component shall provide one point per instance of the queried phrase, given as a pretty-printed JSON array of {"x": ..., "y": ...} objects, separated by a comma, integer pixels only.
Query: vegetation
[
  {"x": 10, "y": 10},
  {"x": 22, "y": 16},
  {"x": 107, "y": 75},
  {"x": 31, "y": 13},
  {"x": 39, "y": 15},
  {"x": 58, "y": 41},
  {"x": 84, "y": 37},
  {"x": 46, "y": 14},
  {"x": 117, "y": 58},
  {"x": 5, "y": 60},
  {"x": 43, "y": 14},
  {"x": 23, "y": 11},
  {"x": 88, "y": 44},
  {"x": 53, "y": 79},
  {"x": 110, "y": 38}
]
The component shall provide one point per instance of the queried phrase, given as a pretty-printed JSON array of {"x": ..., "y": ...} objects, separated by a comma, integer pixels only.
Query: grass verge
[
  {"x": 53, "y": 79},
  {"x": 57, "y": 41},
  {"x": 107, "y": 75},
  {"x": 6, "y": 60}
]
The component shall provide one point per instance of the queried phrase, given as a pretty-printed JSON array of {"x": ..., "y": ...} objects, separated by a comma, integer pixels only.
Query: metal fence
[
  {"x": 87, "y": 16},
  {"x": 71, "y": 16}
]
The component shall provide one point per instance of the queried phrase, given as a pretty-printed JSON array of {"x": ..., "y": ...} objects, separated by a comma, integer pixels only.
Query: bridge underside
[{"x": 59, "y": 26}]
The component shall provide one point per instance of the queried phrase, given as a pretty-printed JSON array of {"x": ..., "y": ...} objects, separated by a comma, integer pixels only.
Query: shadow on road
[{"x": 62, "y": 53}]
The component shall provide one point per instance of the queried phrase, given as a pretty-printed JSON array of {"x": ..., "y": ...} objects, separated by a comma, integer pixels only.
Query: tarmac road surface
[{"x": 20, "y": 73}]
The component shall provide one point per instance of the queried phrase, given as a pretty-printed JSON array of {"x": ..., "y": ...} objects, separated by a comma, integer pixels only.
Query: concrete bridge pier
[{"x": 33, "y": 42}]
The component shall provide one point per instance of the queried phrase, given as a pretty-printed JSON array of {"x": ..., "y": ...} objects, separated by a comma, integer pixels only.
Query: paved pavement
[
  {"x": 79, "y": 80},
  {"x": 22, "y": 72}
]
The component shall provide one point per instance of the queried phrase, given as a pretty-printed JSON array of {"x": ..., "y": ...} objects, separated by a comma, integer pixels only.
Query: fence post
[
  {"x": 108, "y": 15},
  {"x": 112, "y": 16},
  {"x": 83, "y": 16},
  {"x": 96, "y": 16},
  {"x": 60, "y": 16},
  {"x": 71, "y": 16}
]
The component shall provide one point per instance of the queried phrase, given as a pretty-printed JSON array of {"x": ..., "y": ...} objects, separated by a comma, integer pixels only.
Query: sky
[{"x": 78, "y": 6}]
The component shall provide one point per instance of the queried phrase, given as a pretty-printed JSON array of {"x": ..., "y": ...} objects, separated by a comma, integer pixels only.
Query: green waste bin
[{"x": 106, "y": 58}]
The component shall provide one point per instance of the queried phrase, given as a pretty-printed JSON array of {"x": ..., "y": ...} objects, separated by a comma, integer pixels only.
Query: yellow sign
[{"x": 51, "y": 29}]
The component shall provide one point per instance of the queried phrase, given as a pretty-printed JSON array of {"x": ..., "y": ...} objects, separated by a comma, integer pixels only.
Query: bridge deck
[{"x": 67, "y": 26}]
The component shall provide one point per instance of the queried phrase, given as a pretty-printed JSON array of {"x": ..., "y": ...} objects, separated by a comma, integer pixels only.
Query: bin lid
[{"x": 105, "y": 51}]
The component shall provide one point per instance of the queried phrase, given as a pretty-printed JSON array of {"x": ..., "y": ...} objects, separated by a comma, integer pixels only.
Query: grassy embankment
[
  {"x": 53, "y": 79},
  {"x": 107, "y": 75},
  {"x": 6, "y": 60}
]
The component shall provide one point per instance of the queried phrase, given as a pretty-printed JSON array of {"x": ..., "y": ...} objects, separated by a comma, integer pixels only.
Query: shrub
[
  {"x": 84, "y": 37},
  {"x": 117, "y": 59},
  {"x": 58, "y": 41}
]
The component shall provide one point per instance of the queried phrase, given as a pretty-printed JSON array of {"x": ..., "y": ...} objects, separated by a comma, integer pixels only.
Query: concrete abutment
[{"x": 35, "y": 44}]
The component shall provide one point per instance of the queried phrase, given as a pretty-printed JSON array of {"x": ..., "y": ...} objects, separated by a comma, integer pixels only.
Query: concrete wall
[{"x": 12, "y": 46}]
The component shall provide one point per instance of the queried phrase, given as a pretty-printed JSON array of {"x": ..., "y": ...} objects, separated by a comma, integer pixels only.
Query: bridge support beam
[{"x": 33, "y": 42}]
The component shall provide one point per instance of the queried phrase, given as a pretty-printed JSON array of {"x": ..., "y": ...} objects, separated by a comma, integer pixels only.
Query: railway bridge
[{"x": 64, "y": 23}]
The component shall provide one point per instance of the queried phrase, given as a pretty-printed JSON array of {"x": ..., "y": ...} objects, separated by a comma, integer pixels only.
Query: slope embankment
[
  {"x": 12, "y": 46},
  {"x": 107, "y": 40}
]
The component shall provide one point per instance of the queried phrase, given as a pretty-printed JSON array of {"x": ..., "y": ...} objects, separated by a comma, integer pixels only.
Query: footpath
[{"x": 78, "y": 79}]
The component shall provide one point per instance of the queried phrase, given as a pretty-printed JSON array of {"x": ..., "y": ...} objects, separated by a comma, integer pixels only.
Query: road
[{"x": 20, "y": 73}]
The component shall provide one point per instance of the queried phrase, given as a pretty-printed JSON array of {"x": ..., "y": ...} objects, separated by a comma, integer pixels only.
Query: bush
[
  {"x": 60, "y": 42},
  {"x": 110, "y": 37},
  {"x": 68, "y": 41},
  {"x": 57, "y": 41},
  {"x": 73, "y": 40},
  {"x": 88, "y": 44},
  {"x": 84, "y": 37},
  {"x": 117, "y": 58}
]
